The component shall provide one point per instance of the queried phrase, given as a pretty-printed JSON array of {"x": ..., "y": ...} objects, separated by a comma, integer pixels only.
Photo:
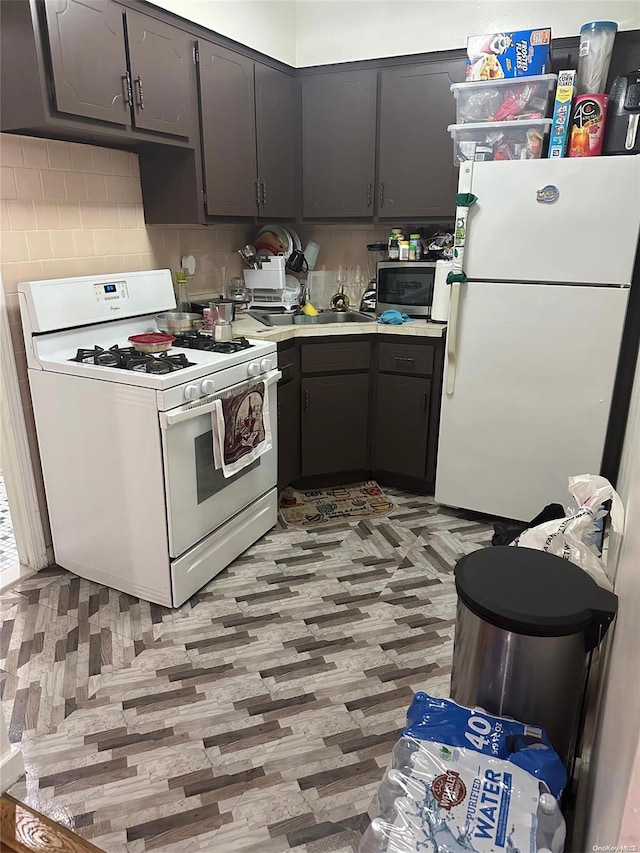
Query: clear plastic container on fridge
[
  {"x": 511, "y": 99},
  {"x": 494, "y": 140},
  {"x": 594, "y": 57}
]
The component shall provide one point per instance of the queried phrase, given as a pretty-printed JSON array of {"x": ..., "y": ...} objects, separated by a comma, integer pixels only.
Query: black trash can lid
[{"x": 534, "y": 593}]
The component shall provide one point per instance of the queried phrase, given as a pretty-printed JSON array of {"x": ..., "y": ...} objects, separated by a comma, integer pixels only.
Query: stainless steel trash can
[{"x": 526, "y": 624}]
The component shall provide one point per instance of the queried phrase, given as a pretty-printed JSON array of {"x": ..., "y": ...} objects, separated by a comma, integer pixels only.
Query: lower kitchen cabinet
[
  {"x": 359, "y": 406},
  {"x": 401, "y": 421},
  {"x": 335, "y": 423}
]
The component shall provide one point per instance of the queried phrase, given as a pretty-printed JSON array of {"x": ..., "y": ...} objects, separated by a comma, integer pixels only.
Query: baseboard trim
[{"x": 11, "y": 768}]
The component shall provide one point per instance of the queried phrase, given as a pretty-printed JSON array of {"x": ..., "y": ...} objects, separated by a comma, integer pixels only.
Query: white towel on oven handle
[{"x": 218, "y": 429}]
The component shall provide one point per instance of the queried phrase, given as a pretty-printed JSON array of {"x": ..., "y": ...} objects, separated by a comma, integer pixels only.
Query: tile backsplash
[{"x": 72, "y": 209}]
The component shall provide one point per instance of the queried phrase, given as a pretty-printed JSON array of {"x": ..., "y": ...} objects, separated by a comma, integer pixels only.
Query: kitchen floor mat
[{"x": 321, "y": 506}]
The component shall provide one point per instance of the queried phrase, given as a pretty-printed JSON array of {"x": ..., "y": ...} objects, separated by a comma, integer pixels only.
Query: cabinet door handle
[
  {"x": 381, "y": 194},
  {"x": 425, "y": 401},
  {"x": 126, "y": 85},
  {"x": 369, "y": 192},
  {"x": 404, "y": 358},
  {"x": 306, "y": 401},
  {"x": 140, "y": 93},
  {"x": 264, "y": 193}
]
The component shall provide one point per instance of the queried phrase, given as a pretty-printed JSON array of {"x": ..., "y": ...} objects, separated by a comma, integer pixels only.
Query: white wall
[
  {"x": 315, "y": 32},
  {"x": 265, "y": 25},
  {"x": 343, "y": 30},
  {"x": 613, "y": 802}
]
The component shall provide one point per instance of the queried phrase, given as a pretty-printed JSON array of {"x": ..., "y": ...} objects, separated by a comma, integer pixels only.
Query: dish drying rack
[{"x": 270, "y": 287}]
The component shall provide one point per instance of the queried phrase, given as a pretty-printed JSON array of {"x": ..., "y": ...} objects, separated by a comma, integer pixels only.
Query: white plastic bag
[{"x": 571, "y": 537}]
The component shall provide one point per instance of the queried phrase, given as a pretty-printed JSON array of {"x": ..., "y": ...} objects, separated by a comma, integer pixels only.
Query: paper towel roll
[{"x": 441, "y": 292}]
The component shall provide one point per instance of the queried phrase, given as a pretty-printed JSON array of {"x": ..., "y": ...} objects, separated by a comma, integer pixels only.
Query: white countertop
[{"x": 251, "y": 328}]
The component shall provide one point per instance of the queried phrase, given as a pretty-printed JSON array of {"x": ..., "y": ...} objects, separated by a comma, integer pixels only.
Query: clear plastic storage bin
[
  {"x": 494, "y": 140},
  {"x": 505, "y": 100}
]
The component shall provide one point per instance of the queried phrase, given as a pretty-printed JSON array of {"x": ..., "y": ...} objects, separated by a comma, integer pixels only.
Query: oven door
[
  {"x": 407, "y": 287},
  {"x": 199, "y": 497}
]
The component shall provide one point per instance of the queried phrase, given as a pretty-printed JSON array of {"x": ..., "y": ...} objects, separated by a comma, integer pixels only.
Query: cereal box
[
  {"x": 562, "y": 114},
  {"x": 498, "y": 55}
]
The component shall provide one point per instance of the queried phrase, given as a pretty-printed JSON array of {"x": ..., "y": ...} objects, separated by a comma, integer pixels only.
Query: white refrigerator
[{"x": 532, "y": 349}]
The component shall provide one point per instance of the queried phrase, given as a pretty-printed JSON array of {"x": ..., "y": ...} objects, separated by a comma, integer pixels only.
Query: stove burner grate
[
  {"x": 128, "y": 358},
  {"x": 196, "y": 340}
]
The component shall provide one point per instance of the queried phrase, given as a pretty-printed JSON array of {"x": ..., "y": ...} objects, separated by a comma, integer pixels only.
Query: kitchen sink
[{"x": 324, "y": 317}]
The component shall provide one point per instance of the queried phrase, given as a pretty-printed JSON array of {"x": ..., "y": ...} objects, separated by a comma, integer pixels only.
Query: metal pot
[
  {"x": 222, "y": 332},
  {"x": 178, "y": 322},
  {"x": 221, "y": 310}
]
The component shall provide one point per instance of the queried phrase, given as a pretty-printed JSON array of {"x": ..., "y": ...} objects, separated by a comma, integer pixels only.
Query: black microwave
[{"x": 406, "y": 286}]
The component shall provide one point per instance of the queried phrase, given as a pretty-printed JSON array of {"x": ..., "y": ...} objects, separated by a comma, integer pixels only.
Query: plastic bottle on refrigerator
[{"x": 552, "y": 830}]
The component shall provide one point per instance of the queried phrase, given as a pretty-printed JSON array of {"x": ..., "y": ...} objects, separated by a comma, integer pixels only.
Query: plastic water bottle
[
  {"x": 392, "y": 786},
  {"x": 552, "y": 829},
  {"x": 403, "y": 752},
  {"x": 375, "y": 839}
]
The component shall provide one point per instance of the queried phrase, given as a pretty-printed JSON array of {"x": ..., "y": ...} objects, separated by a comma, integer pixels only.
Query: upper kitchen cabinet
[
  {"x": 88, "y": 59},
  {"x": 161, "y": 58},
  {"x": 227, "y": 111},
  {"x": 94, "y": 71},
  {"x": 417, "y": 177},
  {"x": 277, "y": 141},
  {"x": 248, "y": 135},
  {"x": 338, "y": 143}
]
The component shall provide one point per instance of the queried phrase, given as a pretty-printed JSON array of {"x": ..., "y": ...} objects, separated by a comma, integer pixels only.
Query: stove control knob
[
  {"x": 191, "y": 392},
  {"x": 253, "y": 368},
  {"x": 208, "y": 386},
  {"x": 265, "y": 365}
]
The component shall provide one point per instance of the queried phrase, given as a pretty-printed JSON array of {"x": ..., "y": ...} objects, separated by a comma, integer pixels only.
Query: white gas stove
[{"x": 135, "y": 500}]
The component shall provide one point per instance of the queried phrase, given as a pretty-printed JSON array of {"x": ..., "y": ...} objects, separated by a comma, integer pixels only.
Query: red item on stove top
[{"x": 151, "y": 342}]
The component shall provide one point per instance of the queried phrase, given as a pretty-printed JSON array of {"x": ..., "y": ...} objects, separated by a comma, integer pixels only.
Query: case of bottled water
[{"x": 464, "y": 781}]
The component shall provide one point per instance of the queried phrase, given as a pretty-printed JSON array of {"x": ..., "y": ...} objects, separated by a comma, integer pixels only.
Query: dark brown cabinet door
[
  {"x": 227, "y": 110},
  {"x": 88, "y": 59},
  {"x": 338, "y": 143},
  {"x": 161, "y": 58},
  {"x": 335, "y": 421},
  {"x": 288, "y": 433},
  {"x": 417, "y": 176},
  {"x": 276, "y": 141},
  {"x": 401, "y": 424}
]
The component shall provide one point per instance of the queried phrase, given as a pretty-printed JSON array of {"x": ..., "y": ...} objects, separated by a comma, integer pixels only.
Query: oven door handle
[{"x": 195, "y": 410}]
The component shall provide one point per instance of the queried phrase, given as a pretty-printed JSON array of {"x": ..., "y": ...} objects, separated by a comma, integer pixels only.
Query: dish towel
[
  {"x": 393, "y": 318},
  {"x": 241, "y": 427}
]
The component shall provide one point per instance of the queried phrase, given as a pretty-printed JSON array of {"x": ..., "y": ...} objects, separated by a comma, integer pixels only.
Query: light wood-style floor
[{"x": 23, "y": 830}]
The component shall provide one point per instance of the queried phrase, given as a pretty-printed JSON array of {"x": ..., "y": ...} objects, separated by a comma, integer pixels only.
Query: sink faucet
[{"x": 305, "y": 294}]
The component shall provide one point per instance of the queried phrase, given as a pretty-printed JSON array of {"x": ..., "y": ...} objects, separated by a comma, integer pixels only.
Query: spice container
[
  {"x": 404, "y": 250},
  {"x": 394, "y": 248},
  {"x": 414, "y": 247}
]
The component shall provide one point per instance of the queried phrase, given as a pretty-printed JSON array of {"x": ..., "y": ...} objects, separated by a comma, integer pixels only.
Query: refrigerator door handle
[{"x": 452, "y": 338}]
